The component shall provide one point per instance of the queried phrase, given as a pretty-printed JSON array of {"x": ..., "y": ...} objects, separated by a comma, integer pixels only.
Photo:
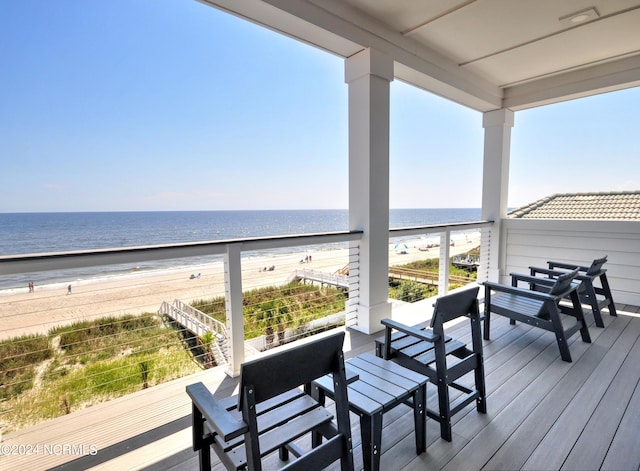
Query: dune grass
[
  {"x": 87, "y": 363},
  {"x": 19, "y": 358},
  {"x": 412, "y": 291},
  {"x": 274, "y": 307}
]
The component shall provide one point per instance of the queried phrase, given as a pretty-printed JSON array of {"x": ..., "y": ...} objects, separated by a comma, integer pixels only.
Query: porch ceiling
[{"x": 485, "y": 54}]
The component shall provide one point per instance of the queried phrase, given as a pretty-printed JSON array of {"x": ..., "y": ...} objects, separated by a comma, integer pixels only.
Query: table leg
[
  {"x": 371, "y": 431},
  {"x": 420, "y": 418}
]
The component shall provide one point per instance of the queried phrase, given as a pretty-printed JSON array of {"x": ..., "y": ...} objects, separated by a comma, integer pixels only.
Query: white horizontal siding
[{"x": 531, "y": 242}]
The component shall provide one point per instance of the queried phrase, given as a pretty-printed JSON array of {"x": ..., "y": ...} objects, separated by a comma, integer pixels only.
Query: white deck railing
[{"x": 232, "y": 251}]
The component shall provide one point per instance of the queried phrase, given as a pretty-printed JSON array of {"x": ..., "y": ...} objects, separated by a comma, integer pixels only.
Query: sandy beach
[{"x": 48, "y": 306}]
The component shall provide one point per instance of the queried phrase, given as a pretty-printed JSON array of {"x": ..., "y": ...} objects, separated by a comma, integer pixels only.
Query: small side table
[{"x": 380, "y": 386}]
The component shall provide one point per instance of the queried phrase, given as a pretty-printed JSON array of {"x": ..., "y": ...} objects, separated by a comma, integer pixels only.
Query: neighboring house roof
[{"x": 619, "y": 205}]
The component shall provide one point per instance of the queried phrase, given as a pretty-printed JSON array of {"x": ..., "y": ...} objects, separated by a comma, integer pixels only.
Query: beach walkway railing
[
  {"x": 318, "y": 276},
  {"x": 199, "y": 324},
  {"x": 214, "y": 326}
]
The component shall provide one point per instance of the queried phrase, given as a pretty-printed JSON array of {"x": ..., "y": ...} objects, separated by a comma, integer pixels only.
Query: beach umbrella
[{"x": 401, "y": 246}]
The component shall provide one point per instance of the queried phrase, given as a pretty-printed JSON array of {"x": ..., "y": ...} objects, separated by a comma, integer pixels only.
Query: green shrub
[
  {"x": 410, "y": 291},
  {"x": 72, "y": 382},
  {"x": 432, "y": 265}
]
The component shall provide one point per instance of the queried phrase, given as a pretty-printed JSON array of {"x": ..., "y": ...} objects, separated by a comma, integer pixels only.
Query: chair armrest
[
  {"x": 526, "y": 293},
  {"x": 546, "y": 271},
  {"x": 532, "y": 279},
  {"x": 420, "y": 334},
  {"x": 583, "y": 277},
  {"x": 567, "y": 266},
  {"x": 222, "y": 422}
]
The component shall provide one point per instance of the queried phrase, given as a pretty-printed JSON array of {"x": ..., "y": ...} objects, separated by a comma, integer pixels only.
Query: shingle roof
[{"x": 618, "y": 205}]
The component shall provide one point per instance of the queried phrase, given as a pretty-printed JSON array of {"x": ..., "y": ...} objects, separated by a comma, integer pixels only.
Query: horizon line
[{"x": 206, "y": 210}]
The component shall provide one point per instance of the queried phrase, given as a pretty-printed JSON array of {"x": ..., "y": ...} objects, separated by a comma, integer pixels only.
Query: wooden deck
[{"x": 543, "y": 413}]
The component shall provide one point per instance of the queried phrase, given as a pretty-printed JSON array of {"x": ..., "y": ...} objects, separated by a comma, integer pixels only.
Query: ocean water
[{"x": 22, "y": 233}]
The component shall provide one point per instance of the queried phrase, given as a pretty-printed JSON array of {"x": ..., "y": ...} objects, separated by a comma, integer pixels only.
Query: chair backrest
[
  {"x": 563, "y": 282},
  {"x": 455, "y": 305},
  {"x": 596, "y": 266},
  {"x": 283, "y": 371}
]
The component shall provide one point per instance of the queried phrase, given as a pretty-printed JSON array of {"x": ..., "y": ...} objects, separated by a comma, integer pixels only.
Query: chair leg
[
  {"x": 606, "y": 292},
  {"x": 579, "y": 314},
  {"x": 589, "y": 296},
  {"x": 205, "y": 458},
  {"x": 558, "y": 328},
  {"x": 346, "y": 462},
  {"x": 445, "y": 411},
  {"x": 204, "y": 449},
  {"x": 481, "y": 403},
  {"x": 565, "y": 354},
  {"x": 487, "y": 324}
]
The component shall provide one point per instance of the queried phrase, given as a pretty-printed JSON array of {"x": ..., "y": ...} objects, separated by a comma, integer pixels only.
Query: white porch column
[
  {"x": 233, "y": 301},
  {"x": 495, "y": 181},
  {"x": 368, "y": 75},
  {"x": 445, "y": 254}
]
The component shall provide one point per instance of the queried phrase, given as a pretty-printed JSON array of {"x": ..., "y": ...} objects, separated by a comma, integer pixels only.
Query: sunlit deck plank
[{"x": 605, "y": 420}]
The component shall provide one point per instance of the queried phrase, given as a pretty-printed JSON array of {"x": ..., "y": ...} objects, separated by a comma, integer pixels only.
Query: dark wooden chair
[
  {"x": 597, "y": 297},
  {"x": 533, "y": 306},
  {"x": 272, "y": 411},
  {"x": 442, "y": 359}
]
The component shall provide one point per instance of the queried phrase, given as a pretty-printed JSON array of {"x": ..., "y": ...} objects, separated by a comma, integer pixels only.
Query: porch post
[
  {"x": 233, "y": 302},
  {"x": 368, "y": 75},
  {"x": 445, "y": 254},
  {"x": 495, "y": 184}
]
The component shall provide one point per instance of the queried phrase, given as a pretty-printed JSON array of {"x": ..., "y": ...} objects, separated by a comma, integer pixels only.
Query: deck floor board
[{"x": 543, "y": 413}]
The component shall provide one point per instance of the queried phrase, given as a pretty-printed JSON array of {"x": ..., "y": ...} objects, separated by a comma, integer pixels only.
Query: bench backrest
[
  {"x": 455, "y": 305},
  {"x": 563, "y": 282},
  {"x": 283, "y": 371},
  {"x": 596, "y": 266}
]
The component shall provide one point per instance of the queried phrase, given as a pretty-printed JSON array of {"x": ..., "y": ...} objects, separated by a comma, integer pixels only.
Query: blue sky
[{"x": 173, "y": 105}]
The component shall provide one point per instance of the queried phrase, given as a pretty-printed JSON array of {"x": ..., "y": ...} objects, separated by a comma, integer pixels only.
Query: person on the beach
[{"x": 69, "y": 289}]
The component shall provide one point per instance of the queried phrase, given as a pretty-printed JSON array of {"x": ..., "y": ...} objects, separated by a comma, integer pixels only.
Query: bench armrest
[
  {"x": 216, "y": 414},
  {"x": 425, "y": 335}
]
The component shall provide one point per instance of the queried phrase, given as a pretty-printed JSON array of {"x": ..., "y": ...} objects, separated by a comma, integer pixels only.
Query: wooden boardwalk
[
  {"x": 543, "y": 413},
  {"x": 319, "y": 276}
]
